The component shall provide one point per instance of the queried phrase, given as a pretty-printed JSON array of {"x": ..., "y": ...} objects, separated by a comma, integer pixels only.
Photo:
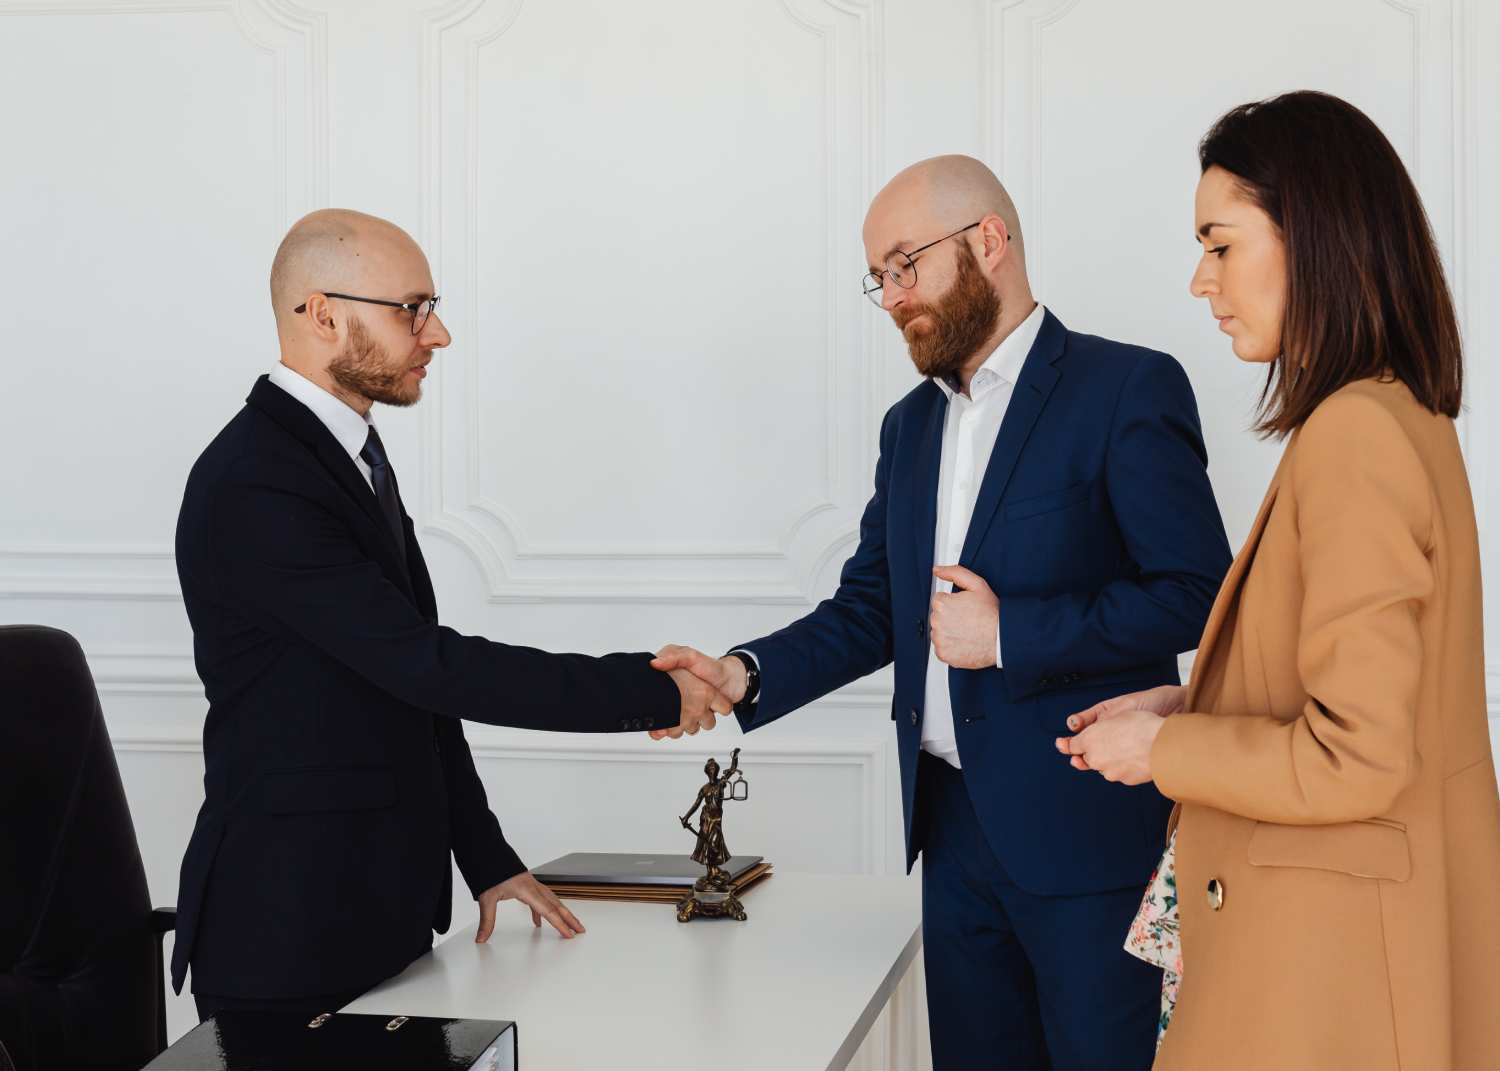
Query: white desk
[{"x": 797, "y": 986}]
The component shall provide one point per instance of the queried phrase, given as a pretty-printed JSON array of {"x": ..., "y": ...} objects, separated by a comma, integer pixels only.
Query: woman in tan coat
[{"x": 1330, "y": 897}]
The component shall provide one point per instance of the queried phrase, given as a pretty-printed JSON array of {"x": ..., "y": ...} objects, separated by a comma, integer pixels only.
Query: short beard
[
  {"x": 961, "y": 321},
  {"x": 364, "y": 367}
]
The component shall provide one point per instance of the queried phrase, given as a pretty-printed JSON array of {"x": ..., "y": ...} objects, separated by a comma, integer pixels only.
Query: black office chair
[{"x": 81, "y": 975}]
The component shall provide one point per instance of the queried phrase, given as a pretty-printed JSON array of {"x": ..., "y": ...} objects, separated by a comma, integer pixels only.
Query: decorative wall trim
[
  {"x": 488, "y": 743},
  {"x": 88, "y": 573},
  {"x": 999, "y": 62},
  {"x": 144, "y": 672},
  {"x": 516, "y": 567},
  {"x": 296, "y": 39}
]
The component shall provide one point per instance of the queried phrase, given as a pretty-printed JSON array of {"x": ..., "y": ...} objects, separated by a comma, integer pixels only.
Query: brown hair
[{"x": 1366, "y": 296}]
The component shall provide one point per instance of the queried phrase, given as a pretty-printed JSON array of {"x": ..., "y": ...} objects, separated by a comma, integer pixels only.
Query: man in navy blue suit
[{"x": 1042, "y": 536}]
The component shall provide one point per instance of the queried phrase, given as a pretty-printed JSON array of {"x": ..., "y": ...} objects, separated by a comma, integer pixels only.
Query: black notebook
[{"x": 250, "y": 1041}]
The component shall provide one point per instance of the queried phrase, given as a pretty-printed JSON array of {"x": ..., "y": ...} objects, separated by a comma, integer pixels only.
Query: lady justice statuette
[{"x": 712, "y": 896}]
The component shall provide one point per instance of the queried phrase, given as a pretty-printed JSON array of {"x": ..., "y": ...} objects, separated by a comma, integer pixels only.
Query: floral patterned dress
[{"x": 1154, "y": 935}]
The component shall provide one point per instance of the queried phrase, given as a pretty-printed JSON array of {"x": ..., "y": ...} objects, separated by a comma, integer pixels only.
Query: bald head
[
  {"x": 937, "y": 197},
  {"x": 950, "y": 191},
  {"x": 944, "y": 245},
  {"x": 368, "y": 323},
  {"x": 336, "y": 249}
]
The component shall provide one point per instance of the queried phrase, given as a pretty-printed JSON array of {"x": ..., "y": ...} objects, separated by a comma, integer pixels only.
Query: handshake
[
  {"x": 963, "y": 627},
  {"x": 710, "y": 687}
]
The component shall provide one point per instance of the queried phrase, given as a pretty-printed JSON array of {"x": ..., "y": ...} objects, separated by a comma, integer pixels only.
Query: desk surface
[{"x": 798, "y": 985}]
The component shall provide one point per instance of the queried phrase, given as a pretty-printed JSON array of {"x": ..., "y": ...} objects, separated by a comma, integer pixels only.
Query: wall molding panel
[
  {"x": 521, "y": 568},
  {"x": 295, "y": 39}
]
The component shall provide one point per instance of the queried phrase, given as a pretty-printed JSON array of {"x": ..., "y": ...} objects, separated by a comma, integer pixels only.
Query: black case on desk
[{"x": 246, "y": 1041}]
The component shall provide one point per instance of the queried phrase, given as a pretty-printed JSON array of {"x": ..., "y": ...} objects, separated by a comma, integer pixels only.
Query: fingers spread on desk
[
  {"x": 544, "y": 903},
  {"x": 572, "y": 918},
  {"x": 560, "y": 910},
  {"x": 486, "y": 919},
  {"x": 558, "y": 916}
]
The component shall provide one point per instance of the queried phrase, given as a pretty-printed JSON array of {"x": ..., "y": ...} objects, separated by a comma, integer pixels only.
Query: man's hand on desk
[
  {"x": 543, "y": 902},
  {"x": 709, "y": 686}
]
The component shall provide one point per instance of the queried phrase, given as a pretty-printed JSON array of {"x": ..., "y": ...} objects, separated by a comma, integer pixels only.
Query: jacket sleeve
[
  {"x": 288, "y": 560},
  {"x": 1156, "y": 474},
  {"x": 1364, "y": 521},
  {"x": 846, "y": 636},
  {"x": 484, "y": 856}
]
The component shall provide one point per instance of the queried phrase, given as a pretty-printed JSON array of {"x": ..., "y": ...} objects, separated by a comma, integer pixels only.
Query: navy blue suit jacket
[
  {"x": 1097, "y": 529},
  {"x": 337, "y": 778}
]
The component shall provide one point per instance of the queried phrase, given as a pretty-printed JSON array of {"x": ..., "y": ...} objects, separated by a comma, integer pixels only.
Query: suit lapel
[
  {"x": 300, "y": 421},
  {"x": 925, "y": 487},
  {"x": 416, "y": 567},
  {"x": 1034, "y": 386},
  {"x": 1229, "y": 591}
]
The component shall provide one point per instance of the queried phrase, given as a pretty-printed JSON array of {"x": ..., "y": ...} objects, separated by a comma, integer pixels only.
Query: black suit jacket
[{"x": 337, "y": 778}]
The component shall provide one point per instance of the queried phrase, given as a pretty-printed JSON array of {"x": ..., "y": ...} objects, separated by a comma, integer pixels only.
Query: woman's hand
[
  {"x": 1162, "y": 701},
  {"x": 1121, "y": 752},
  {"x": 1117, "y": 746}
]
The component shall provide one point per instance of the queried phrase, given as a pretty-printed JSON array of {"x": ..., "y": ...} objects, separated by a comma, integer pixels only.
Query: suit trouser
[{"x": 1016, "y": 980}]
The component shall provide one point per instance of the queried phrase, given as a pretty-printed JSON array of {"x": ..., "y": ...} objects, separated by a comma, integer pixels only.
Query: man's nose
[{"x": 435, "y": 333}]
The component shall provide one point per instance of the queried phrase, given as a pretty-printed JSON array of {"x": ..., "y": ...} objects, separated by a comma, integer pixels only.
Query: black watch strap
[{"x": 752, "y": 682}]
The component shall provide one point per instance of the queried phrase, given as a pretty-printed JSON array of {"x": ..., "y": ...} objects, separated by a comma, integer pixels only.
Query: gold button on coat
[{"x": 1215, "y": 894}]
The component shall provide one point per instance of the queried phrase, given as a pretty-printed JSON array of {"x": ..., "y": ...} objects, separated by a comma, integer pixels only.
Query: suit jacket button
[
  {"x": 1215, "y": 894},
  {"x": 921, "y": 627},
  {"x": 914, "y": 717},
  {"x": 651, "y": 723}
]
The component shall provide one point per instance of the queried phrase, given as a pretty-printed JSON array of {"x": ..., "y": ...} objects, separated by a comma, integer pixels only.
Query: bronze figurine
[{"x": 712, "y": 895}]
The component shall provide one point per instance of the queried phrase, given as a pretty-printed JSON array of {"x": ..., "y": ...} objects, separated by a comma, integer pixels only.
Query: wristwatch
[{"x": 752, "y": 682}]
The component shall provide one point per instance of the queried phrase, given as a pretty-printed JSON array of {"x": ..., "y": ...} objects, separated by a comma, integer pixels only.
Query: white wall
[{"x": 658, "y": 418}]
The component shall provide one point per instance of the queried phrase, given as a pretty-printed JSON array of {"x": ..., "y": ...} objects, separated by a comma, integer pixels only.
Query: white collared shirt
[
  {"x": 347, "y": 426},
  {"x": 969, "y": 432}
]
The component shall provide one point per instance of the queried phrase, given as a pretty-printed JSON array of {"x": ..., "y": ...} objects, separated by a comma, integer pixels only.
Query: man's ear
[
  {"x": 319, "y": 314},
  {"x": 994, "y": 238}
]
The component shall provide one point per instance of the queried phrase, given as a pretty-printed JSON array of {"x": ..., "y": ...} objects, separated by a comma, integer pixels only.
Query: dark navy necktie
[{"x": 384, "y": 481}]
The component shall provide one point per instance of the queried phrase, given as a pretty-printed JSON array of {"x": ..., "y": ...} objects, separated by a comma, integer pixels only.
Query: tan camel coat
[{"x": 1338, "y": 784}]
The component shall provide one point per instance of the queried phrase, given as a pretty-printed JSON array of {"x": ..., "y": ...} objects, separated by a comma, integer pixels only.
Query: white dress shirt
[
  {"x": 969, "y": 431},
  {"x": 348, "y": 427}
]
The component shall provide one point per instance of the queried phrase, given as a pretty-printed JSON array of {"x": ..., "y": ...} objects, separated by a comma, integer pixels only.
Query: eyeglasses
[
  {"x": 419, "y": 310},
  {"x": 901, "y": 267}
]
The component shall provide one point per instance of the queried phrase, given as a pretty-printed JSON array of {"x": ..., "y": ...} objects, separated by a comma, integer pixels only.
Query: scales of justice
[{"x": 712, "y": 896}]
